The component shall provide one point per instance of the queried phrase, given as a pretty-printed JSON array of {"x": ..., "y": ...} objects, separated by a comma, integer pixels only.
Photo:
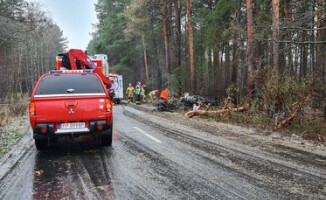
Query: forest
[
  {"x": 29, "y": 41},
  {"x": 268, "y": 54}
]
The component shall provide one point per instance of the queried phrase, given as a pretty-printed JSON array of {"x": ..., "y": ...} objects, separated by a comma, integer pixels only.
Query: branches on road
[{"x": 214, "y": 112}]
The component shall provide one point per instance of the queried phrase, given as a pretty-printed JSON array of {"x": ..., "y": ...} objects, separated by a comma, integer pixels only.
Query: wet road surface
[{"x": 157, "y": 158}]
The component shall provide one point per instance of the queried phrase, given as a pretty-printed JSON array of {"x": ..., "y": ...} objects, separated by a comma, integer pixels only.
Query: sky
[{"x": 74, "y": 17}]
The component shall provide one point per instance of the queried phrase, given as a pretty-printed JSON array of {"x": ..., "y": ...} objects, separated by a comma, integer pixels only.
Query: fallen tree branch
[
  {"x": 214, "y": 112},
  {"x": 227, "y": 102},
  {"x": 287, "y": 120},
  {"x": 282, "y": 123}
]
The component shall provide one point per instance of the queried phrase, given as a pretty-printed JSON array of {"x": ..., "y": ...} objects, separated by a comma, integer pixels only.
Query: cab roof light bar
[{"x": 72, "y": 71}]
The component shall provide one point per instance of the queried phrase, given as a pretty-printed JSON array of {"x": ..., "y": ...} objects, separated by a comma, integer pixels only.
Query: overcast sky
[{"x": 75, "y": 18}]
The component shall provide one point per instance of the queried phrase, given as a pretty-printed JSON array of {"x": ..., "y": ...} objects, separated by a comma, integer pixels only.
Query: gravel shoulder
[
  {"x": 265, "y": 139},
  {"x": 285, "y": 164}
]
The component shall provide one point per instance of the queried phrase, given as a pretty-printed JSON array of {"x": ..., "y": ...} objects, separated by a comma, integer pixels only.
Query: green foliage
[
  {"x": 219, "y": 46},
  {"x": 311, "y": 129},
  {"x": 120, "y": 23},
  {"x": 180, "y": 80},
  {"x": 287, "y": 93},
  {"x": 137, "y": 18},
  {"x": 120, "y": 69},
  {"x": 233, "y": 92},
  {"x": 216, "y": 22},
  {"x": 263, "y": 21}
]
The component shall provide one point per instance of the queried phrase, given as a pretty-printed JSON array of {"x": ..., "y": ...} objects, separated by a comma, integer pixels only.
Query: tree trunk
[
  {"x": 165, "y": 34},
  {"x": 191, "y": 48},
  {"x": 304, "y": 55},
  {"x": 211, "y": 83},
  {"x": 250, "y": 48},
  {"x": 178, "y": 8},
  {"x": 219, "y": 71},
  {"x": 145, "y": 55},
  {"x": 325, "y": 111},
  {"x": 210, "y": 5},
  {"x": 276, "y": 33},
  {"x": 235, "y": 46},
  {"x": 319, "y": 64},
  {"x": 227, "y": 66},
  {"x": 287, "y": 55},
  {"x": 234, "y": 61},
  {"x": 155, "y": 56}
]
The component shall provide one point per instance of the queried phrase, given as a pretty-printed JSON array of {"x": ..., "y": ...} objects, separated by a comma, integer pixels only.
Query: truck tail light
[
  {"x": 108, "y": 106},
  {"x": 32, "y": 109},
  {"x": 44, "y": 130},
  {"x": 99, "y": 127}
]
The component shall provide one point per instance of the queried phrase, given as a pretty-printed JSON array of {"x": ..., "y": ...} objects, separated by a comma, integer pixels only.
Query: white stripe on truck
[{"x": 69, "y": 95}]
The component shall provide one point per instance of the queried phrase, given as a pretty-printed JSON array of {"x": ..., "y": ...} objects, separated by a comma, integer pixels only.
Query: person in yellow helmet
[
  {"x": 153, "y": 95},
  {"x": 142, "y": 93},
  {"x": 130, "y": 93}
]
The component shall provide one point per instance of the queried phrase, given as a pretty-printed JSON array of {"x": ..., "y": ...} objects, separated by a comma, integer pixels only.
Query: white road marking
[{"x": 148, "y": 135}]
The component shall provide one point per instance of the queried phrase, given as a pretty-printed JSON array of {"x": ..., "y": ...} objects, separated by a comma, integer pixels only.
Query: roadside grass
[
  {"x": 311, "y": 128},
  {"x": 14, "y": 122}
]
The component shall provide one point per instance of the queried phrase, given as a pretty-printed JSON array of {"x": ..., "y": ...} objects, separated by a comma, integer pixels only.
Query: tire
[
  {"x": 53, "y": 142},
  {"x": 106, "y": 140},
  {"x": 41, "y": 144}
]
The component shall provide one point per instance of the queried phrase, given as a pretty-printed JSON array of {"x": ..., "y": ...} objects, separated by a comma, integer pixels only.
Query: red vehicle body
[{"x": 56, "y": 109}]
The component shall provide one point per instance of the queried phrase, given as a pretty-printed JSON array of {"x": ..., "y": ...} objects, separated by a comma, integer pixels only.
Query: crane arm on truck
[{"x": 78, "y": 59}]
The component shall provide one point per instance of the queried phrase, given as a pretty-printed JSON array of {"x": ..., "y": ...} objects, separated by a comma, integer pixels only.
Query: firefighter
[
  {"x": 153, "y": 95},
  {"x": 163, "y": 102},
  {"x": 130, "y": 93},
  {"x": 164, "y": 95},
  {"x": 142, "y": 93},
  {"x": 137, "y": 92}
]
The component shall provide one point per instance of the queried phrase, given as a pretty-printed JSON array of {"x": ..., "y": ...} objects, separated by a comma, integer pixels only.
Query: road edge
[
  {"x": 13, "y": 157},
  {"x": 292, "y": 141}
]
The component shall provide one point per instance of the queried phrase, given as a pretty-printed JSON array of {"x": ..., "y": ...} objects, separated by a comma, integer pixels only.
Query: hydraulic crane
[{"x": 77, "y": 59}]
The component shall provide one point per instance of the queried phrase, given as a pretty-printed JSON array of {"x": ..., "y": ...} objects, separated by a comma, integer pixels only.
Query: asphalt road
[{"x": 154, "y": 157}]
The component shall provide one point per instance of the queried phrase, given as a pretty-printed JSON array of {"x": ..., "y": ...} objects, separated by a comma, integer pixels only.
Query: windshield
[{"x": 70, "y": 84}]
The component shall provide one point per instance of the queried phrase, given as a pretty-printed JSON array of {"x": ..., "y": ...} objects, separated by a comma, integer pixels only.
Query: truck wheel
[
  {"x": 41, "y": 144},
  {"x": 107, "y": 139}
]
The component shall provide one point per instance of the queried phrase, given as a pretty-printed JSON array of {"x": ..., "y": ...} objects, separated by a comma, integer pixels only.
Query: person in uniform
[
  {"x": 153, "y": 95},
  {"x": 137, "y": 92},
  {"x": 143, "y": 93},
  {"x": 130, "y": 93}
]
